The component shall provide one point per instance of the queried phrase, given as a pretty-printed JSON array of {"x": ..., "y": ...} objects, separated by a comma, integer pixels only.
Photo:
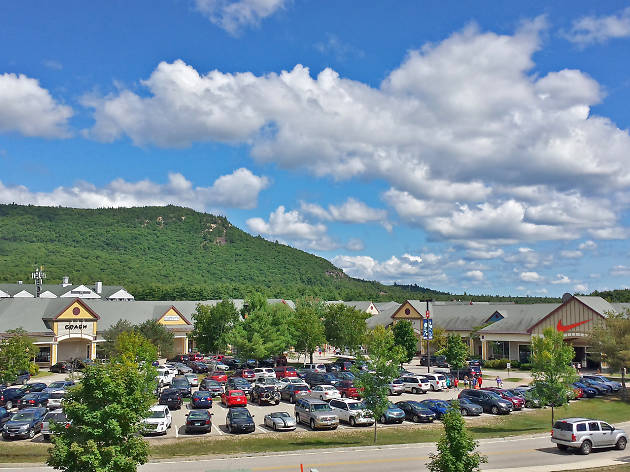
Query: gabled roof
[
  {"x": 597, "y": 304},
  {"x": 359, "y": 305},
  {"x": 518, "y": 319},
  {"x": 384, "y": 316}
]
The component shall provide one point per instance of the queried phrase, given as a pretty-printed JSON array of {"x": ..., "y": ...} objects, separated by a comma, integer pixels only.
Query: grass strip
[{"x": 610, "y": 409}]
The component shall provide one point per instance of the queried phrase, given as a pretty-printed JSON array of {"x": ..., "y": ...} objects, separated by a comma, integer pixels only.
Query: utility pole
[{"x": 39, "y": 275}]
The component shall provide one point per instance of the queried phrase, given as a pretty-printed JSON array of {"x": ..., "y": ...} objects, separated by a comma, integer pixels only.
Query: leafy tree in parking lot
[
  {"x": 612, "y": 340},
  {"x": 307, "y": 326},
  {"x": 159, "y": 335},
  {"x": 105, "y": 411},
  {"x": 456, "y": 447},
  {"x": 110, "y": 335},
  {"x": 455, "y": 351},
  {"x": 17, "y": 353},
  {"x": 405, "y": 337},
  {"x": 345, "y": 326},
  {"x": 213, "y": 326},
  {"x": 381, "y": 367},
  {"x": 135, "y": 347},
  {"x": 551, "y": 368}
]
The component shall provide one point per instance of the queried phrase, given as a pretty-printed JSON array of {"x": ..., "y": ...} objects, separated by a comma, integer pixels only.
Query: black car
[
  {"x": 10, "y": 396},
  {"x": 490, "y": 402},
  {"x": 238, "y": 383},
  {"x": 182, "y": 384},
  {"x": 265, "y": 393},
  {"x": 291, "y": 392},
  {"x": 212, "y": 386},
  {"x": 36, "y": 387},
  {"x": 199, "y": 421},
  {"x": 315, "y": 378},
  {"x": 33, "y": 399},
  {"x": 415, "y": 412},
  {"x": 436, "y": 361},
  {"x": 467, "y": 407},
  {"x": 61, "y": 367},
  {"x": 24, "y": 424},
  {"x": 172, "y": 398},
  {"x": 60, "y": 384},
  {"x": 199, "y": 367},
  {"x": 239, "y": 420}
]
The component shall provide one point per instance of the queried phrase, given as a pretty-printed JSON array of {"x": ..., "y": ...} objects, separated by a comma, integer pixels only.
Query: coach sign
[{"x": 75, "y": 328}]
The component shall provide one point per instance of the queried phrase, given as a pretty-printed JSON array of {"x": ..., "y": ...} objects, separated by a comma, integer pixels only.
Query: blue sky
[{"x": 463, "y": 146}]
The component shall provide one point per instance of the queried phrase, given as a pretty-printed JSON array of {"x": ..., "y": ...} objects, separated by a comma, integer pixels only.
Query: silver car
[
  {"x": 280, "y": 421},
  {"x": 396, "y": 387},
  {"x": 315, "y": 413},
  {"x": 587, "y": 434},
  {"x": 58, "y": 416}
]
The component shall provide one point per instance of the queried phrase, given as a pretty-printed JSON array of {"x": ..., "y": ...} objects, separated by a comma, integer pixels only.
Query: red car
[
  {"x": 348, "y": 390},
  {"x": 220, "y": 377},
  {"x": 517, "y": 402},
  {"x": 195, "y": 357},
  {"x": 234, "y": 398},
  {"x": 247, "y": 374},
  {"x": 285, "y": 372}
]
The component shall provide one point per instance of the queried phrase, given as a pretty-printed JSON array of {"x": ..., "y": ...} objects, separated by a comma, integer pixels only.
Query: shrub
[
  {"x": 496, "y": 364},
  {"x": 525, "y": 366}
]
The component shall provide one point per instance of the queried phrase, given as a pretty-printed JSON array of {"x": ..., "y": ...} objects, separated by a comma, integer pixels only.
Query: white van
[
  {"x": 320, "y": 368},
  {"x": 437, "y": 381}
]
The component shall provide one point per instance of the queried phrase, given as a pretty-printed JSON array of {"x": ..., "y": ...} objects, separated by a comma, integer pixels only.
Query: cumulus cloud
[
  {"x": 237, "y": 190},
  {"x": 351, "y": 211},
  {"x": 289, "y": 224},
  {"x": 599, "y": 29},
  {"x": 530, "y": 277},
  {"x": 561, "y": 279},
  {"x": 473, "y": 144},
  {"x": 567, "y": 254},
  {"x": 355, "y": 244},
  {"x": 29, "y": 109},
  {"x": 581, "y": 288},
  {"x": 394, "y": 269},
  {"x": 235, "y": 15},
  {"x": 528, "y": 258},
  {"x": 476, "y": 275},
  {"x": 484, "y": 253},
  {"x": 588, "y": 245}
]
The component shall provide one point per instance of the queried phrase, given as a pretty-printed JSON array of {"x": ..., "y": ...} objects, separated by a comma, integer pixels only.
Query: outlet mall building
[{"x": 67, "y": 321}]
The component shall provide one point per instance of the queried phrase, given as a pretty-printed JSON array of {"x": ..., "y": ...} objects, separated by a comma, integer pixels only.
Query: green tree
[
  {"x": 345, "y": 326},
  {"x": 307, "y": 326},
  {"x": 381, "y": 367},
  {"x": 159, "y": 335},
  {"x": 551, "y": 368},
  {"x": 213, "y": 325},
  {"x": 456, "y": 447},
  {"x": 17, "y": 354},
  {"x": 105, "y": 410},
  {"x": 405, "y": 337},
  {"x": 134, "y": 347},
  {"x": 612, "y": 340},
  {"x": 455, "y": 351},
  {"x": 110, "y": 335}
]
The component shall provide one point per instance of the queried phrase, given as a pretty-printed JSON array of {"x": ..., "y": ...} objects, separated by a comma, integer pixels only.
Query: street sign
[
  {"x": 428, "y": 314},
  {"x": 427, "y": 329},
  {"x": 508, "y": 365}
]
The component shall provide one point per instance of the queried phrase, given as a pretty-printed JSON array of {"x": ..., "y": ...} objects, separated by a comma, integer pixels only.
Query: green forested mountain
[{"x": 174, "y": 253}]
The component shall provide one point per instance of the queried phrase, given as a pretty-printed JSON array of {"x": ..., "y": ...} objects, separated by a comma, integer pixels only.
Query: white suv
[
  {"x": 165, "y": 375},
  {"x": 158, "y": 422},
  {"x": 352, "y": 411},
  {"x": 262, "y": 372},
  {"x": 319, "y": 368},
  {"x": 415, "y": 384},
  {"x": 437, "y": 381}
]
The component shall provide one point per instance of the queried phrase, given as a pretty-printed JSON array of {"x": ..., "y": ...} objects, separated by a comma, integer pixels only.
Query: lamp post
[{"x": 39, "y": 275}]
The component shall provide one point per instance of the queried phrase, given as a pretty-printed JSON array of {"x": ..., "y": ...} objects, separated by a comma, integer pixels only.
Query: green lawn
[{"x": 537, "y": 421}]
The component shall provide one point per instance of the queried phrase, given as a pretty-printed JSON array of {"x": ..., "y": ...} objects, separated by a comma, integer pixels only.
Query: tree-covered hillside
[{"x": 176, "y": 253}]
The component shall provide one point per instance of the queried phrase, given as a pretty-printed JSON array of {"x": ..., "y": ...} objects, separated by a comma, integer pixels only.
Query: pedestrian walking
[
  {"x": 466, "y": 383},
  {"x": 456, "y": 382},
  {"x": 479, "y": 381},
  {"x": 498, "y": 382}
]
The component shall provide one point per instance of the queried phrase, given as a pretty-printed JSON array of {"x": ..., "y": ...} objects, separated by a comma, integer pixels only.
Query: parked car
[
  {"x": 232, "y": 398},
  {"x": 415, "y": 384},
  {"x": 466, "y": 407},
  {"x": 172, "y": 398},
  {"x": 589, "y": 392},
  {"x": 393, "y": 414},
  {"x": 324, "y": 392},
  {"x": 198, "y": 421},
  {"x": 396, "y": 387},
  {"x": 348, "y": 390},
  {"x": 182, "y": 384},
  {"x": 212, "y": 386},
  {"x": 218, "y": 365},
  {"x": 54, "y": 416},
  {"x": 24, "y": 424},
  {"x": 529, "y": 395},
  {"x": 280, "y": 421},
  {"x": 439, "y": 407},
  {"x": 490, "y": 402},
  {"x": 285, "y": 371},
  {"x": 292, "y": 392},
  {"x": 199, "y": 367},
  {"x": 517, "y": 401},
  {"x": 201, "y": 399},
  {"x": 291, "y": 381},
  {"x": 615, "y": 386},
  {"x": 260, "y": 372},
  {"x": 61, "y": 367},
  {"x": 158, "y": 421},
  {"x": 193, "y": 379},
  {"x": 265, "y": 394},
  {"x": 315, "y": 413},
  {"x": 320, "y": 368},
  {"x": 437, "y": 382},
  {"x": 36, "y": 387},
  {"x": 4, "y": 416},
  {"x": 60, "y": 384},
  {"x": 237, "y": 383},
  {"x": 247, "y": 374},
  {"x": 269, "y": 382},
  {"x": 9, "y": 396},
  {"x": 416, "y": 412},
  {"x": 34, "y": 399},
  {"x": 602, "y": 388},
  {"x": 218, "y": 375},
  {"x": 352, "y": 412},
  {"x": 239, "y": 420},
  {"x": 436, "y": 361},
  {"x": 586, "y": 434},
  {"x": 55, "y": 398},
  {"x": 470, "y": 372}
]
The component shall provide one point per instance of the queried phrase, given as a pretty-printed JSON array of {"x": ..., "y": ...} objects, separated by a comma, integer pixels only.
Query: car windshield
[
  {"x": 494, "y": 395},
  {"x": 280, "y": 414},
  {"x": 321, "y": 407},
  {"x": 240, "y": 414},
  {"x": 198, "y": 414},
  {"x": 397, "y": 382},
  {"x": 442, "y": 404},
  {"x": 416, "y": 404},
  {"x": 23, "y": 417},
  {"x": 57, "y": 385},
  {"x": 356, "y": 406},
  {"x": 212, "y": 383},
  {"x": 300, "y": 388},
  {"x": 158, "y": 414},
  {"x": 328, "y": 387},
  {"x": 236, "y": 393},
  {"x": 180, "y": 382},
  {"x": 202, "y": 394},
  {"x": 290, "y": 369}
]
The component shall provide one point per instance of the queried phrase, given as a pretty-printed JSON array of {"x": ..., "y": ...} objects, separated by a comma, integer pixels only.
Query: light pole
[{"x": 39, "y": 275}]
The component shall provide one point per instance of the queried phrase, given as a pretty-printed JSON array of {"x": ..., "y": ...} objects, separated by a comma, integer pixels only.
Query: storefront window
[
  {"x": 499, "y": 350},
  {"x": 524, "y": 352},
  {"x": 44, "y": 354}
]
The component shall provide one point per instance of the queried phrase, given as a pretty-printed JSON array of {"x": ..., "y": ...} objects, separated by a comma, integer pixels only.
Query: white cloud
[
  {"x": 561, "y": 279},
  {"x": 237, "y": 190},
  {"x": 620, "y": 271},
  {"x": 29, "y": 109},
  {"x": 289, "y": 224},
  {"x": 355, "y": 244},
  {"x": 530, "y": 277},
  {"x": 235, "y": 15},
  {"x": 393, "y": 269},
  {"x": 412, "y": 258},
  {"x": 351, "y": 211},
  {"x": 463, "y": 132},
  {"x": 528, "y": 258},
  {"x": 571, "y": 254},
  {"x": 588, "y": 245},
  {"x": 484, "y": 253},
  {"x": 581, "y": 288},
  {"x": 476, "y": 275},
  {"x": 599, "y": 29}
]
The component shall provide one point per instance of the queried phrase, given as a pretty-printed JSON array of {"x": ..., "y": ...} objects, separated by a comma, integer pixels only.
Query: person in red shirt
[{"x": 479, "y": 381}]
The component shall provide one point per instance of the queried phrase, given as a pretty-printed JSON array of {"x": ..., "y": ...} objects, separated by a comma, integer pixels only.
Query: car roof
[
  {"x": 157, "y": 408},
  {"x": 576, "y": 420}
]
